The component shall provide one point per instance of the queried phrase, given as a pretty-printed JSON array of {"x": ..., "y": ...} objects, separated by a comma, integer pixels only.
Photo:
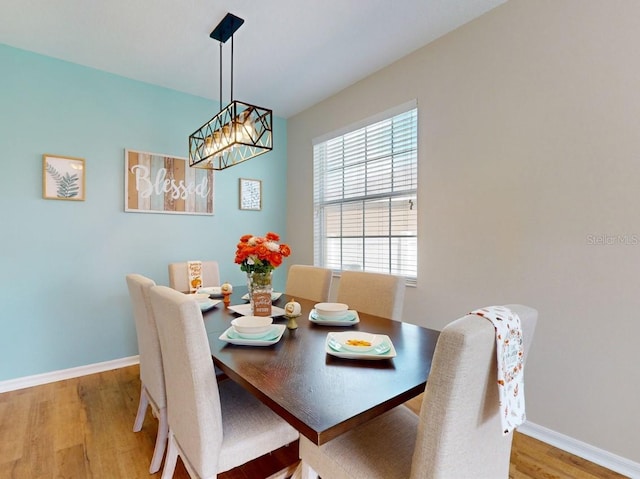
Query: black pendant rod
[
  {"x": 223, "y": 31},
  {"x": 220, "y": 75},
  {"x": 231, "y": 93}
]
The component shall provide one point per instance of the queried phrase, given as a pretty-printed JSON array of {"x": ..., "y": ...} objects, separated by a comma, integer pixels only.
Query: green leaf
[{"x": 68, "y": 186}]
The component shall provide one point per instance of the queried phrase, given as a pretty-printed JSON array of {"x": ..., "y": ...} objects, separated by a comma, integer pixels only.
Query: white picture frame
[
  {"x": 250, "y": 194},
  {"x": 159, "y": 183}
]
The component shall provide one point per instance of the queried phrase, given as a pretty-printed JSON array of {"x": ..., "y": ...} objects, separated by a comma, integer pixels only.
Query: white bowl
[
  {"x": 199, "y": 297},
  {"x": 252, "y": 326},
  {"x": 331, "y": 310}
]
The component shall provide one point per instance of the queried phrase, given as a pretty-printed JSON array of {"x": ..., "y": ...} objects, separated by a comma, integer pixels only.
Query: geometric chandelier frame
[{"x": 240, "y": 131}]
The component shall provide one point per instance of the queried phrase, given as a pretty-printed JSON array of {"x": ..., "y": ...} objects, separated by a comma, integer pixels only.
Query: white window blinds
[{"x": 365, "y": 186}]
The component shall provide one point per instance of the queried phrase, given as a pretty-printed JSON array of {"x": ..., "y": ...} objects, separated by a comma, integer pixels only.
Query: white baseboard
[
  {"x": 53, "y": 376},
  {"x": 591, "y": 453}
]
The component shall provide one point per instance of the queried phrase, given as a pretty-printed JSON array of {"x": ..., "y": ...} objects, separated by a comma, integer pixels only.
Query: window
[{"x": 365, "y": 186}]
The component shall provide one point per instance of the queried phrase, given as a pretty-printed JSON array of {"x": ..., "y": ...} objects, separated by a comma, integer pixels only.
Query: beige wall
[{"x": 529, "y": 149}]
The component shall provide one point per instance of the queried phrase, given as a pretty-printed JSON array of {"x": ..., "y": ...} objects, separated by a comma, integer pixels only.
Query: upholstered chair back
[
  {"x": 152, "y": 386},
  {"x": 193, "y": 401},
  {"x": 151, "y": 369},
  {"x": 459, "y": 433},
  {"x": 308, "y": 282},
  {"x": 372, "y": 293},
  {"x": 179, "y": 275}
]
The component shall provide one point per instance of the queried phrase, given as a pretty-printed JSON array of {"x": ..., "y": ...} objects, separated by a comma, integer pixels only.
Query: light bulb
[{"x": 209, "y": 147}]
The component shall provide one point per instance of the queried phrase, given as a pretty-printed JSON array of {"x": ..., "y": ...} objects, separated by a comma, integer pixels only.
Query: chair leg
[
  {"x": 171, "y": 459},
  {"x": 308, "y": 472},
  {"x": 161, "y": 441},
  {"x": 142, "y": 409},
  {"x": 290, "y": 472},
  {"x": 220, "y": 374},
  {"x": 415, "y": 404}
]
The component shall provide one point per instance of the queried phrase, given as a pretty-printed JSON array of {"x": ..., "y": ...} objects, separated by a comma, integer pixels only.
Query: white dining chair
[
  {"x": 528, "y": 317},
  {"x": 152, "y": 389},
  {"x": 179, "y": 275},
  {"x": 213, "y": 426},
  {"x": 308, "y": 282},
  {"x": 372, "y": 293},
  {"x": 458, "y": 433}
]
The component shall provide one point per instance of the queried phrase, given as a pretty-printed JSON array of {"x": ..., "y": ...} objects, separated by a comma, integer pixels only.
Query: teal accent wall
[{"x": 63, "y": 296}]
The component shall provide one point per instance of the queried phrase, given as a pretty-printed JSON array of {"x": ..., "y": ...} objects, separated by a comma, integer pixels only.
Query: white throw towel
[
  {"x": 510, "y": 355},
  {"x": 194, "y": 271}
]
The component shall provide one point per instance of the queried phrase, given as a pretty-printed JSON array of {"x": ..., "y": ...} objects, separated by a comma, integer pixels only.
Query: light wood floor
[{"x": 82, "y": 428}]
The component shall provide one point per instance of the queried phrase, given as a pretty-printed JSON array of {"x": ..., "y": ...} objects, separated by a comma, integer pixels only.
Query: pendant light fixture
[{"x": 240, "y": 131}]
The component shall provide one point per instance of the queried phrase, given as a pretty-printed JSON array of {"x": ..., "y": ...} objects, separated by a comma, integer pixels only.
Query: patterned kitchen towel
[
  {"x": 510, "y": 355},
  {"x": 194, "y": 270}
]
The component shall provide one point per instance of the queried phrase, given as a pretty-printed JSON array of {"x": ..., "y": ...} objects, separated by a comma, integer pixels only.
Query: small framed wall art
[
  {"x": 250, "y": 194},
  {"x": 62, "y": 178}
]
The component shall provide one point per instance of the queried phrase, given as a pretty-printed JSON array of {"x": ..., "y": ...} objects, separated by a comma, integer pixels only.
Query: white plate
[
  {"x": 274, "y": 296},
  {"x": 245, "y": 310},
  {"x": 199, "y": 297},
  {"x": 349, "y": 320},
  {"x": 334, "y": 346},
  {"x": 231, "y": 337},
  {"x": 211, "y": 291},
  {"x": 210, "y": 303}
]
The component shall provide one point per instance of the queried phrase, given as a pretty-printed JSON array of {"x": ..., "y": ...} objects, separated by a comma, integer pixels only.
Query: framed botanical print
[
  {"x": 250, "y": 194},
  {"x": 62, "y": 178}
]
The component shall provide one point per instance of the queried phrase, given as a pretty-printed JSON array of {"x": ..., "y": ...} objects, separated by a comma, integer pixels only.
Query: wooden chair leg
[
  {"x": 171, "y": 459},
  {"x": 287, "y": 472},
  {"x": 161, "y": 441},
  {"x": 306, "y": 472},
  {"x": 415, "y": 403},
  {"x": 142, "y": 409}
]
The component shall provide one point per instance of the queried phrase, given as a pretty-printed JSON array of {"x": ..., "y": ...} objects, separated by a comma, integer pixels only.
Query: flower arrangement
[{"x": 260, "y": 254}]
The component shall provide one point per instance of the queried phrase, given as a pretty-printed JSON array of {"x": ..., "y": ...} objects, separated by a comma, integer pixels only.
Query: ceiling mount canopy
[
  {"x": 240, "y": 131},
  {"x": 226, "y": 28}
]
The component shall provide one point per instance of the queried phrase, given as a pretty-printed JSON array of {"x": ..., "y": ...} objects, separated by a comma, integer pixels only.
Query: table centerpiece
[{"x": 258, "y": 256}]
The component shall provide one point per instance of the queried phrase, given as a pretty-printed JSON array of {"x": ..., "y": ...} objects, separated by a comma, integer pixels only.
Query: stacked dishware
[
  {"x": 252, "y": 327},
  {"x": 333, "y": 314}
]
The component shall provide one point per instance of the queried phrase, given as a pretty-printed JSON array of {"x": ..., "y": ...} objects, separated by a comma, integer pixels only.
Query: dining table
[{"x": 319, "y": 394}]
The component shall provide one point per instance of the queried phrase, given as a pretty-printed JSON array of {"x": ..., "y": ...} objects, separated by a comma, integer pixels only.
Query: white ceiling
[{"x": 288, "y": 55}]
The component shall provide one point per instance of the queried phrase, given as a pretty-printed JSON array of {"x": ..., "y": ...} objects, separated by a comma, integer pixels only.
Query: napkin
[
  {"x": 510, "y": 356},
  {"x": 194, "y": 271}
]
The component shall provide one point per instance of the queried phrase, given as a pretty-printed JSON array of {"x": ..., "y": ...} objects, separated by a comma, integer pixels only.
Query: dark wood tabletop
[{"x": 323, "y": 396}]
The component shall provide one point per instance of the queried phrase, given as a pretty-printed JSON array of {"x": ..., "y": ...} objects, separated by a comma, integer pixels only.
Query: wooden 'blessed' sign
[{"x": 157, "y": 183}]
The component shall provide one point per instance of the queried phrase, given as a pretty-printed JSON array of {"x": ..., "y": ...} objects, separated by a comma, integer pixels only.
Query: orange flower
[
  {"x": 260, "y": 254},
  {"x": 272, "y": 236},
  {"x": 262, "y": 251},
  {"x": 275, "y": 259}
]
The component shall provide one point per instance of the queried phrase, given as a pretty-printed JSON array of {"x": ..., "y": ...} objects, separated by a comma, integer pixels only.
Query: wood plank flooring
[{"x": 82, "y": 428}]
